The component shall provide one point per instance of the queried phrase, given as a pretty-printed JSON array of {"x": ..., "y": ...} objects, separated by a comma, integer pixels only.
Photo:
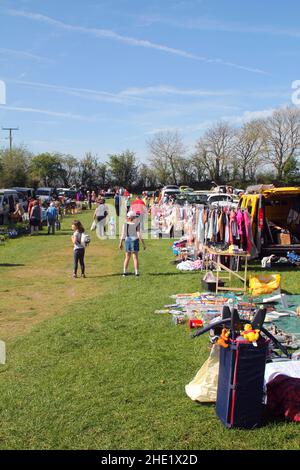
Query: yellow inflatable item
[{"x": 264, "y": 284}]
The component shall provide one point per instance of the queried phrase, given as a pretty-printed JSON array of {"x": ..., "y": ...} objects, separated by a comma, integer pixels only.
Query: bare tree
[
  {"x": 249, "y": 148},
  {"x": 147, "y": 177},
  {"x": 200, "y": 172},
  {"x": 282, "y": 131},
  {"x": 214, "y": 150},
  {"x": 70, "y": 173},
  {"x": 166, "y": 151}
]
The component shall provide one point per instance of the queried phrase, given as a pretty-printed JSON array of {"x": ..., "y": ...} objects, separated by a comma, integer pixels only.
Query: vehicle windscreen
[
  {"x": 43, "y": 192},
  {"x": 70, "y": 194}
]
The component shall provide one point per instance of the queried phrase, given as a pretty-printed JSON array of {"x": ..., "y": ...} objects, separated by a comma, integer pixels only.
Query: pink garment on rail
[{"x": 240, "y": 221}]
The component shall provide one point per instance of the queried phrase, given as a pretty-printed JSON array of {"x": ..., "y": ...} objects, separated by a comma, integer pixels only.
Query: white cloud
[
  {"x": 205, "y": 23},
  {"x": 73, "y": 91},
  {"x": 202, "y": 126},
  {"x": 170, "y": 90},
  {"x": 109, "y": 34},
  {"x": 249, "y": 115},
  {"x": 2, "y": 92},
  {"x": 24, "y": 55},
  {"x": 46, "y": 112}
]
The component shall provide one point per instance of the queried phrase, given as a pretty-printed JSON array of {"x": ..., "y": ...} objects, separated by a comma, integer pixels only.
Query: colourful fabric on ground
[{"x": 283, "y": 397}]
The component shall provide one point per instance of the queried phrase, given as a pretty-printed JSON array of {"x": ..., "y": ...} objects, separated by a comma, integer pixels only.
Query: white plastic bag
[
  {"x": 93, "y": 226},
  {"x": 203, "y": 387},
  {"x": 2, "y": 353}
]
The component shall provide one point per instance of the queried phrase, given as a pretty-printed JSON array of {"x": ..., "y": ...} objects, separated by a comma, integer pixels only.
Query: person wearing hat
[
  {"x": 132, "y": 236},
  {"x": 51, "y": 218}
]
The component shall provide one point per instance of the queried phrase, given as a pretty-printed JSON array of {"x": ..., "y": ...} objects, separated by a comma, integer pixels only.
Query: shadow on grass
[
  {"x": 107, "y": 276},
  {"x": 275, "y": 268},
  {"x": 268, "y": 418},
  {"x": 64, "y": 233},
  {"x": 10, "y": 265},
  {"x": 175, "y": 274}
]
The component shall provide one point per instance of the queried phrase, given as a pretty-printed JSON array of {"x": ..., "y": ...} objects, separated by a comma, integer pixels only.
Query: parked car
[
  {"x": 27, "y": 192},
  {"x": 24, "y": 194},
  {"x": 109, "y": 194},
  {"x": 274, "y": 212},
  {"x": 46, "y": 194},
  {"x": 66, "y": 192},
  {"x": 221, "y": 200},
  {"x": 185, "y": 188},
  {"x": 8, "y": 200},
  {"x": 207, "y": 198},
  {"x": 171, "y": 187},
  {"x": 170, "y": 190},
  {"x": 190, "y": 198}
]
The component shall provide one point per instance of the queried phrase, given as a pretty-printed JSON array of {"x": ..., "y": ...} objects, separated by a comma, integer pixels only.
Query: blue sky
[{"x": 105, "y": 76}]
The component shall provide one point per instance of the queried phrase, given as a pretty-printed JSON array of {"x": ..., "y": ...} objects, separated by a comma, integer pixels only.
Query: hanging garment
[
  {"x": 233, "y": 227},
  {"x": 226, "y": 235},
  {"x": 215, "y": 225},
  {"x": 251, "y": 248},
  {"x": 239, "y": 220},
  {"x": 220, "y": 225},
  {"x": 201, "y": 226},
  {"x": 210, "y": 232}
]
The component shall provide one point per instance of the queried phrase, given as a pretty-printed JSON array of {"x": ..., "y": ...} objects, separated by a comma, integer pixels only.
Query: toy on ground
[
  {"x": 195, "y": 323},
  {"x": 250, "y": 335},
  {"x": 224, "y": 338}
]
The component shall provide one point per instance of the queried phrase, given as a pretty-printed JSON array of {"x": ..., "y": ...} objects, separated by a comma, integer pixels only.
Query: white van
[{"x": 8, "y": 201}]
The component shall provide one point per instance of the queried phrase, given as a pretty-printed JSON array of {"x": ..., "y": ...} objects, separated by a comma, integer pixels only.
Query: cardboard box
[{"x": 284, "y": 238}]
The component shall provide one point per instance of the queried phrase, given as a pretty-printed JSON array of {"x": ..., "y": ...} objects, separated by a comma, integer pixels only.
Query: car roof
[{"x": 8, "y": 190}]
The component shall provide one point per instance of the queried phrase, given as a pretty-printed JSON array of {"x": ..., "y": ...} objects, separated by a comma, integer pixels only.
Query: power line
[{"x": 10, "y": 129}]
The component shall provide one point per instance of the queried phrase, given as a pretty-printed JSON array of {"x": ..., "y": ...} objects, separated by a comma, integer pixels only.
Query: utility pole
[{"x": 10, "y": 129}]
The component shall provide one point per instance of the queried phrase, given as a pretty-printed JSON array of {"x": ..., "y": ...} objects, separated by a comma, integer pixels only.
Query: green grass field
[{"x": 90, "y": 366}]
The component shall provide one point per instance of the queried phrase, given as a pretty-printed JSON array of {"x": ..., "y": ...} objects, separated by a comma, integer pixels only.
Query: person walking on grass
[
  {"x": 52, "y": 215},
  {"x": 35, "y": 217},
  {"x": 131, "y": 234},
  {"x": 100, "y": 216},
  {"x": 79, "y": 248}
]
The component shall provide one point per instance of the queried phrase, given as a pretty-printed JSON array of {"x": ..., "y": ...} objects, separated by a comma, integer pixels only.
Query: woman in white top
[{"x": 100, "y": 216}]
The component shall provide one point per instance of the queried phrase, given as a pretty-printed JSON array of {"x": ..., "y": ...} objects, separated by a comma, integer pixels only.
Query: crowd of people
[{"x": 37, "y": 212}]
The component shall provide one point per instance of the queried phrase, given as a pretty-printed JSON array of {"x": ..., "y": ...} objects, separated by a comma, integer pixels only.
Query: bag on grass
[
  {"x": 93, "y": 226},
  {"x": 203, "y": 388},
  {"x": 264, "y": 284}
]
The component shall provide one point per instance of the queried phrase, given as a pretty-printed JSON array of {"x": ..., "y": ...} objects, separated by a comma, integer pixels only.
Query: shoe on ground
[
  {"x": 75, "y": 276},
  {"x": 125, "y": 274}
]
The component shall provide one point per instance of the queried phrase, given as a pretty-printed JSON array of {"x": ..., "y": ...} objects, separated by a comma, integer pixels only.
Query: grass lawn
[{"x": 90, "y": 366}]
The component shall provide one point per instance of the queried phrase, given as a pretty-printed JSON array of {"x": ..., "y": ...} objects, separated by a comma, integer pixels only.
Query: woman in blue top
[{"x": 131, "y": 234}]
